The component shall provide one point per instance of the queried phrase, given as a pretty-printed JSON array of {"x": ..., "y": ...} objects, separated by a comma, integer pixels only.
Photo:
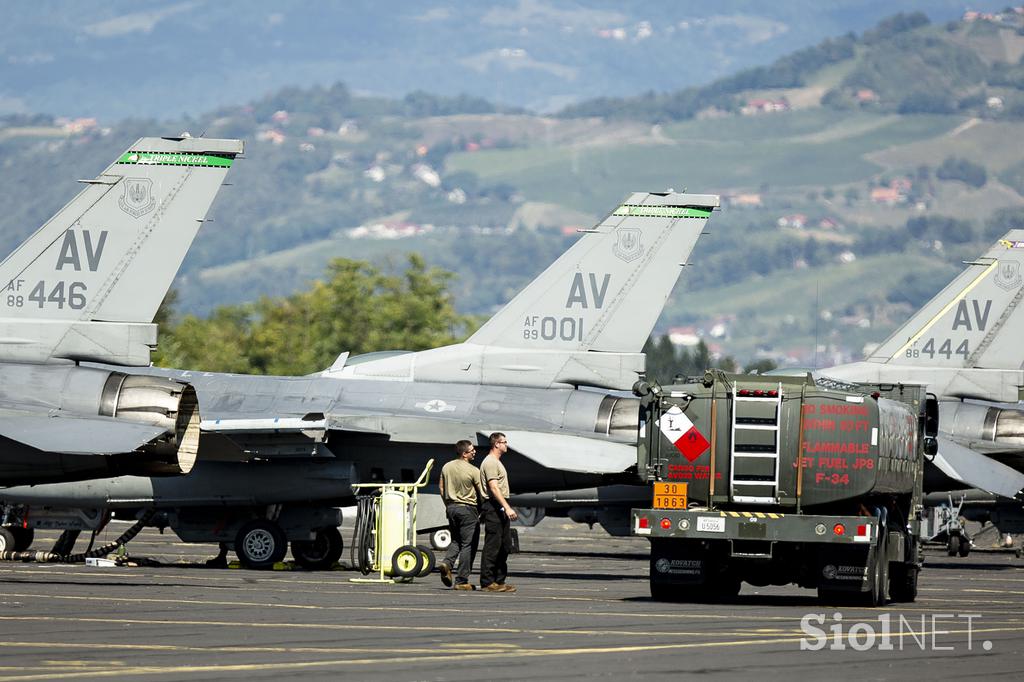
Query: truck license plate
[
  {"x": 710, "y": 524},
  {"x": 670, "y": 496}
]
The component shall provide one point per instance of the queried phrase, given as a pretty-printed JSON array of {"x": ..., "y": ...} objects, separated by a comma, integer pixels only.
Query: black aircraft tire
[
  {"x": 429, "y": 561},
  {"x": 406, "y": 562},
  {"x": 965, "y": 547},
  {"x": 260, "y": 544},
  {"x": 322, "y": 552},
  {"x": 23, "y": 538},
  {"x": 7, "y": 542},
  {"x": 953, "y": 545}
]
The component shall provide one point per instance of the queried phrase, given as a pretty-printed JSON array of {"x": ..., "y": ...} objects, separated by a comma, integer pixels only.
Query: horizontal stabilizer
[
  {"x": 976, "y": 470},
  {"x": 78, "y": 435},
  {"x": 572, "y": 453}
]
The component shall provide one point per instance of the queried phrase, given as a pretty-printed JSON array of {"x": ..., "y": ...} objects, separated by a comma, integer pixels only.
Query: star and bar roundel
[{"x": 678, "y": 428}]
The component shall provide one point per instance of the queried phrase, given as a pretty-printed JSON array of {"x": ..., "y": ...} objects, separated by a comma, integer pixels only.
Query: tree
[
  {"x": 954, "y": 168},
  {"x": 357, "y": 309}
]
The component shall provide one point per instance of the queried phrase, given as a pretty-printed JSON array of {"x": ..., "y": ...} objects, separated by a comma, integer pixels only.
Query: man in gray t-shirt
[
  {"x": 498, "y": 515},
  {"x": 460, "y": 490}
]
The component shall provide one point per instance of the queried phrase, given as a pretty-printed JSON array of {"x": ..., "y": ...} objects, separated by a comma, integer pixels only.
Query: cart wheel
[
  {"x": 429, "y": 561},
  {"x": 406, "y": 562},
  {"x": 441, "y": 539}
]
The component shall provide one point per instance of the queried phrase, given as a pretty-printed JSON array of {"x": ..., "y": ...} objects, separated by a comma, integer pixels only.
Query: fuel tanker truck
[{"x": 776, "y": 480}]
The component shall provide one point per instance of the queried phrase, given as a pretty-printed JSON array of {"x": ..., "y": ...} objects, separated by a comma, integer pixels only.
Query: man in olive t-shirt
[
  {"x": 498, "y": 515},
  {"x": 460, "y": 490}
]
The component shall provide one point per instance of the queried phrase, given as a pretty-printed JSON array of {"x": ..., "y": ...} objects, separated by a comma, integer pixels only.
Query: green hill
[{"x": 841, "y": 211}]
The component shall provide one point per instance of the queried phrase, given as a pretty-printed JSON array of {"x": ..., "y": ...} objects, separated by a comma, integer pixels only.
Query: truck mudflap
[{"x": 766, "y": 527}]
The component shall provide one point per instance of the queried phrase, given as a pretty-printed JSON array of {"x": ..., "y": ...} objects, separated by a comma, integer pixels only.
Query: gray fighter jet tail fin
[
  {"x": 88, "y": 283},
  {"x": 975, "y": 322},
  {"x": 584, "y": 320},
  {"x": 606, "y": 292}
]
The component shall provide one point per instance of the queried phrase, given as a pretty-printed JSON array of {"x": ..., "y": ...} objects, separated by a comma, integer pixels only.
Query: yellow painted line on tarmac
[
  {"x": 448, "y": 657},
  {"x": 372, "y": 627},
  {"x": 176, "y": 648},
  {"x": 979, "y": 590},
  {"x": 507, "y": 607}
]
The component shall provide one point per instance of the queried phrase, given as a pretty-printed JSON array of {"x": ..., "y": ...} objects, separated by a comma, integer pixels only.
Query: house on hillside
[
  {"x": 687, "y": 337},
  {"x": 865, "y": 96},
  {"x": 887, "y": 196},
  {"x": 761, "y": 105},
  {"x": 744, "y": 200},
  {"x": 796, "y": 220}
]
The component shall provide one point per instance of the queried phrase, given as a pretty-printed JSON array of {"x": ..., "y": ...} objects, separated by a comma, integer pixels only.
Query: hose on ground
[{"x": 50, "y": 557}]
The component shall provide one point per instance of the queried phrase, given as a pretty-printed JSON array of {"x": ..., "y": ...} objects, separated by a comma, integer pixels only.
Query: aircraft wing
[
  {"x": 562, "y": 451},
  {"x": 572, "y": 453},
  {"x": 76, "y": 435},
  {"x": 1008, "y": 454},
  {"x": 976, "y": 470}
]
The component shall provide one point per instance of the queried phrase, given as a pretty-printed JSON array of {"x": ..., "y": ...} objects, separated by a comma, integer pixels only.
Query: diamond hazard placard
[{"x": 678, "y": 428}]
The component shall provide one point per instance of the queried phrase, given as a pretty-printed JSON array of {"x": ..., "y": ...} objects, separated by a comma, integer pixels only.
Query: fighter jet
[
  {"x": 85, "y": 288},
  {"x": 550, "y": 370},
  {"x": 964, "y": 345}
]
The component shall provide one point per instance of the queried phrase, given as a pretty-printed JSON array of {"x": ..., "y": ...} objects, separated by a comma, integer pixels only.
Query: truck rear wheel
[
  {"x": 878, "y": 575},
  {"x": 903, "y": 583}
]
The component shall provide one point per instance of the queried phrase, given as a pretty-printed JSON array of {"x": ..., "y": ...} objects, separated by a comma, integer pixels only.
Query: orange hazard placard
[{"x": 669, "y": 496}]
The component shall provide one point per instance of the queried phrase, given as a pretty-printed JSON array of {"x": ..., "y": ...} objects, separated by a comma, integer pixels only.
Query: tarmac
[{"x": 582, "y": 611}]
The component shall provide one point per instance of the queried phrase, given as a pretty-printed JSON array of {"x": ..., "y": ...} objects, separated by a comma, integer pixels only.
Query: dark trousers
[
  {"x": 464, "y": 525},
  {"x": 497, "y": 545}
]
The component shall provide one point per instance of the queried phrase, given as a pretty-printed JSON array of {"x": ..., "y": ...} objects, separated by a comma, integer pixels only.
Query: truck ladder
[{"x": 754, "y": 463}]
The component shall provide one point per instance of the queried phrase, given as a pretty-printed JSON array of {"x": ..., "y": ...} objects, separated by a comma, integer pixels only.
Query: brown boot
[
  {"x": 446, "y": 574},
  {"x": 465, "y": 587}
]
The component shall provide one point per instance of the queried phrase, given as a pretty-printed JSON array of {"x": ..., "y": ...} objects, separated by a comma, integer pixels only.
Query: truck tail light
[
  {"x": 666, "y": 523},
  {"x": 642, "y": 522},
  {"x": 838, "y": 529}
]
